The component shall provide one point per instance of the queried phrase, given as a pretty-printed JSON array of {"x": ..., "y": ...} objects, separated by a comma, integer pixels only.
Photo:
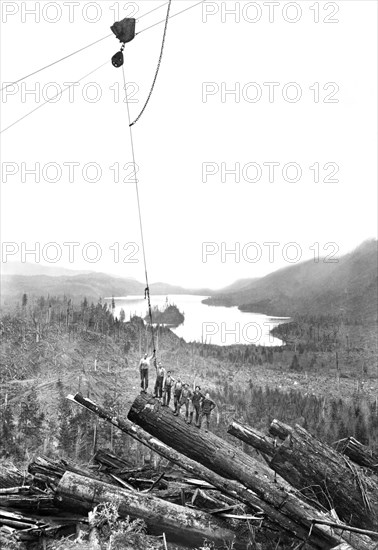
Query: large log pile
[
  {"x": 59, "y": 499},
  {"x": 203, "y": 487},
  {"x": 305, "y": 461},
  {"x": 231, "y": 463}
]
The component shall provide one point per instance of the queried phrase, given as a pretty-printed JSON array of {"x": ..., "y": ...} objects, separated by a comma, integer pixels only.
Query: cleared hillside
[{"x": 347, "y": 287}]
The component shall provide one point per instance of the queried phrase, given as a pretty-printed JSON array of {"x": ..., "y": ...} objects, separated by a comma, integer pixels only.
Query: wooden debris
[
  {"x": 305, "y": 461},
  {"x": 94, "y": 539},
  {"x": 216, "y": 454},
  {"x": 229, "y": 487},
  {"x": 43, "y": 504},
  {"x": 112, "y": 461},
  {"x": 180, "y": 523},
  {"x": 10, "y": 476},
  {"x": 348, "y": 528},
  {"x": 358, "y": 453},
  {"x": 14, "y": 490}
]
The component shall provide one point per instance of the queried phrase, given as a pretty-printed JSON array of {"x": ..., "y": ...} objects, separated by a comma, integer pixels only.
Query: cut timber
[
  {"x": 43, "y": 504},
  {"x": 229, "y": 487},
  {"x": 205, "y": 501},
  {"x": 252, "y": 437},
  {"x": 15, "y": 490},
  {"x": 279, "y": 429},
  {"x": 358, "y": 453},
  {"x": 218, "y": 455},
  {"x": 305, "y": 461},
  {"x": 10, "y": 476},
  {"x": 179, "y": 522},
  {"x": 113, "y": 462},
  {"x": 49, "y": 472}
]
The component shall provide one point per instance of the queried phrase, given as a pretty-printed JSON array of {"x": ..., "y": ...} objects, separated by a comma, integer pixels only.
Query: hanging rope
[
  {"x": 147, "y": 289},
  {"x": 158, "y": 66}
]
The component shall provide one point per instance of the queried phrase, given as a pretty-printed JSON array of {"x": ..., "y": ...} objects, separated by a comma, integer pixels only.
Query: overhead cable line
[
  {"x": 55, "y": 96},
  {"x": 71, "y": 54},
  {"x": 158, "y": 66},
  {"x": 65, "y": 89},
  {"x": 147, "y": 290},
  {"x": 172, "y": 16},
  {"x": 55, "y": 62}
]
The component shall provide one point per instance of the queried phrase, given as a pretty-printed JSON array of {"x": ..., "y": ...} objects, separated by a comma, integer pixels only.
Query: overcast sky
[{"x": 318, "y": 111}]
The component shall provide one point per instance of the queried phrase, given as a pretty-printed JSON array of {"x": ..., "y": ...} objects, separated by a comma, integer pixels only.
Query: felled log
[
  {"x": 48, "y": 471},
  {"x": 303, "y": 460},
  {"x": 203, "y": 500},
  {"x": 256, "y": 439},
  {"x": 54, "y": 469},
  {"x": 52, "y": 531},
  {"x": 174, "y": 491},
  {"x": 352, "y": 448},
  {"x": 231, "y": 488},
  {"x": 221, "y": 457},
  {"x": 43, "y": 504},
  {"x": 358, "y": 453},
  {"x": 10, "y": 476},
  {"x": 279, "y": 429},
  {"x": 80, "y": 492},
  {"x": 17, "y": 521},
  {"x": 113, "y": 462},
  {"x": 15, "y": 490}
]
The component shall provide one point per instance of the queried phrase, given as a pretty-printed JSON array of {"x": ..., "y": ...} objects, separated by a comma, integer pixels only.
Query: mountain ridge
[{"x": 347, "y": 287}]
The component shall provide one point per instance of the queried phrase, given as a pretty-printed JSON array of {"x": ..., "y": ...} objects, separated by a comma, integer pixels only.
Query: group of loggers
[{"x": 198, "y": 405}]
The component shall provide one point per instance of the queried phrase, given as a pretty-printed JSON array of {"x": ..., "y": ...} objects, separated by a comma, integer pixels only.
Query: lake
[{"x": 223, "y": 326}]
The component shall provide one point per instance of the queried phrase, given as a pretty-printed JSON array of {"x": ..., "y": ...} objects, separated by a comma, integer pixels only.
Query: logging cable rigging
[
  {"x": 54, "y": 63},
  {"x": 147, "y": 289},
  {"x": 168, "y": 16},
  {"x": 172, "y": 16},
  {"x": 54, "y": 97},
  {"x": 158, "y": 66},
  {"x": 85, "y": 47},
  {"x": 72, "y": 53}
]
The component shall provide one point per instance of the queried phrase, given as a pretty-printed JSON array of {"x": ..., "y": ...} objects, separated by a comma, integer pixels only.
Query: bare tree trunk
[{"x": 82, "y": 493}]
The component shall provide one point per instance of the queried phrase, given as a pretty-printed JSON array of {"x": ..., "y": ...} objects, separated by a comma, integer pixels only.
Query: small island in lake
[{"x": 170, "y": 315}]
